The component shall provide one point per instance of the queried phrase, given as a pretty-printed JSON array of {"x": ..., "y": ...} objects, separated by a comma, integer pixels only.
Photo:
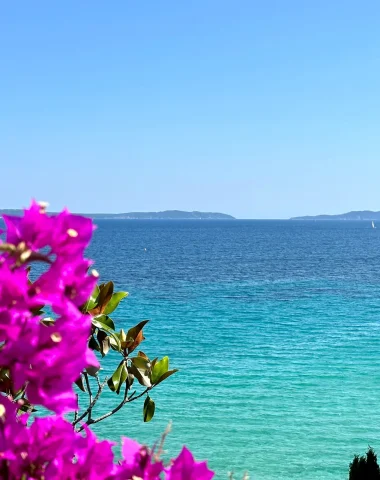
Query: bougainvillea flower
[
  {"x": 10, "y": 428},
  {"x": 43, "y": 450},
  {"x": 35, "y": 228},
  {"x": 50, "y": 449},
  {"x": 185, "y": 467},
  {"x": 13, "y": 288},
  {"x": 65, "y": 282},
  {"x": 43, "y": 361},
  {"x": 93, "y": 459},
  {"x": 137, "y": 462},
  {"x": 49, "y": 360},
  {"x": 11, "y": 324},
  {"x": 72, "y": 234}
]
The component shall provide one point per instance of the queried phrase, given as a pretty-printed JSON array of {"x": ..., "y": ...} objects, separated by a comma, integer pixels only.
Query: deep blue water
[{"x": 275, "y": 327}]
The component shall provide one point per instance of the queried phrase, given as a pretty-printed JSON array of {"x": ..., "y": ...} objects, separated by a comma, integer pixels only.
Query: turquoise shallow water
[{"x": 275, "y": 327}]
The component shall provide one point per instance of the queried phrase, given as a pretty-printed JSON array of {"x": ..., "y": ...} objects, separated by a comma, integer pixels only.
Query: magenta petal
[
  {"x": 34, "y": 228},
  {"x": 185, "y": 467},
  {"x": 130, "y": 448}
]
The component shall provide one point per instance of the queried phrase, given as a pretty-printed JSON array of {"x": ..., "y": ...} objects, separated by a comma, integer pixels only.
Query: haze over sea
[{"x": 275, "y": 328}]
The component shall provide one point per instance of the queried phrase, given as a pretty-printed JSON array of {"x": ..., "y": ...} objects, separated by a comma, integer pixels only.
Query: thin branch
[
  {"x": 91, "y": 406},
  {"x": 125, "y": 400},
  {"x": 85, "y": 374},
  {"x": 132, "y": 397}
]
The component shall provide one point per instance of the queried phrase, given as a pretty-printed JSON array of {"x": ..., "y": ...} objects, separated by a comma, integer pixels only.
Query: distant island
[
  {"x": 362, "y": 215},
  {"x": 166, "y": 215}
]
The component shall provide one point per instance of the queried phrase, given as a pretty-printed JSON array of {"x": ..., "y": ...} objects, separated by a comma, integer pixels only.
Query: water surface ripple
[{"x": 275, "y": 327}]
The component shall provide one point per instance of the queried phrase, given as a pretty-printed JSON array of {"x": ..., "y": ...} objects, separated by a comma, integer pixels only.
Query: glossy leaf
[
  {"x": 142, "y": 375},
  {"x": 91, "y": 302},
  {"x": 123, "y": 338},
  {"x": 100, "y": 336},
  {"x": 123, "y": 377},
  {"x": 105, "y": 346},
  {"x": 119, "y": 376},
  {"x": 105, "y": 295},
  {"x": 141, "y": 363},
  {"x": 133, "y": 338},
  {"x": 133, "y": 344},
  {"x": 96, "y": 322},
  {"x": 134, "y": 331},
  {"x": 166, "y": 375},
  {"x": 153, "y": 363},
  {"x": 148, "y": 409},
  {"x": 93, "y": 344},
  {"x": 104, "y": 342},
  {"x": 105, "y": 320},
  {"x": 115, "y": 343},
  {"x": 131, "y": 379},
  {"x": 114, "y": 302},
  {"x": 161, "y": 367},
  {"x": 80, "y": 383},
  {"x": 142, "y": 355}
]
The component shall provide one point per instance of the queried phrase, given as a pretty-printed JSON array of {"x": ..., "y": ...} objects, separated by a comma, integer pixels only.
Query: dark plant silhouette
[{"x": 365, "y": 467}]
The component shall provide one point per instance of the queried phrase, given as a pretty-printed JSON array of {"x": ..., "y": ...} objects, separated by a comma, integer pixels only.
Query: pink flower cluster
[
  {"x": 50, "y": 449},
  {"x": 45, "y": 360}
]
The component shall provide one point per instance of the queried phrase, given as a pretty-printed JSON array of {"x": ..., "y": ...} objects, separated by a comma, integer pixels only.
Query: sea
[{"x": 275, "y": 329}]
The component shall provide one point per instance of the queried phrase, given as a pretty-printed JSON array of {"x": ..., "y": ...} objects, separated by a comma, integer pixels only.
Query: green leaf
[
  {"x": 142, "y": 375},
  {"x": 105, "y": 295},
  {"x": 26, "y": 407},
  {"x": 93, "y": 344},
  {"x": 131, "y": 379},
  {"x": 166, "y": 375},
  {"x": 105, "y": 320},
  {"x": 115, "y": 344},
  {"x": 105, "y": 346},
  {"x": 122, "y": 336},
  {"x": 19, "y": 394},
  {"x": 104, "y": 342},
  {"x": 98, "y": 323},
  {"x": 154, "y": 361},
  {"x": 148, "y": 409},
  {"x": 114, "y": 302},
  {"x": 119, "y": 376},
  {"x": 80, "y": 383},
  {"x": 159, "y": 369},
  {"x": 91, "y": 302},
  {"x": 141, "y": 362}
]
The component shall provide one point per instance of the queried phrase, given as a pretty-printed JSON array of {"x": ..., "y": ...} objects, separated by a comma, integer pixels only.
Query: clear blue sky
[{"x": 261, "y": 109}]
